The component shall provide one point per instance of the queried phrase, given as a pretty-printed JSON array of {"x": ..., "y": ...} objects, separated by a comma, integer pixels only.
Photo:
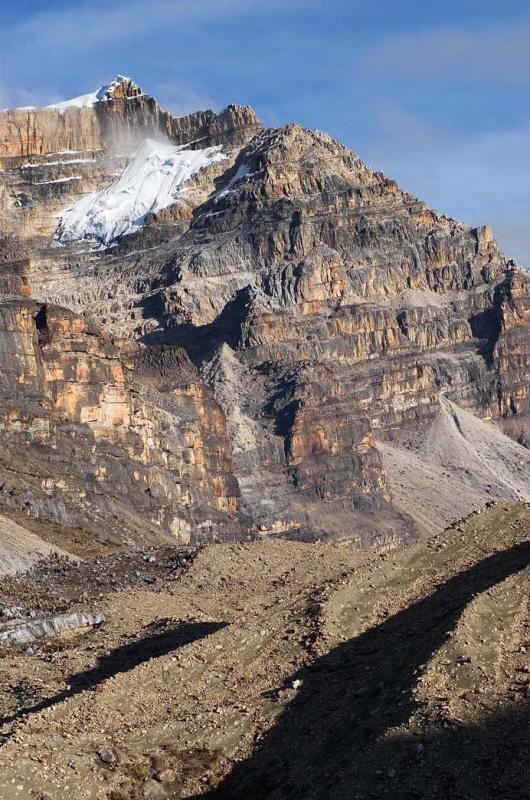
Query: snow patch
[
  {"x": 56, "y": 163},
  {"x": 66, "y": 152},
  {"x": 58, "y": 180},
  {"x": 153, "y": 180},
  {"x": 242, "y": 171},
  {"x": 83, "y": 101}
]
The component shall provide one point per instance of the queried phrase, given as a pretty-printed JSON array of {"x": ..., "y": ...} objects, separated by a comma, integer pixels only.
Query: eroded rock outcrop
[{"x": 20, "y": 632}]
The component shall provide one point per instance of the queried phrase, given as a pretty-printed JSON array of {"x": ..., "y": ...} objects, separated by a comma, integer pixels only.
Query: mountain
[{"x": 213, "y": 331}]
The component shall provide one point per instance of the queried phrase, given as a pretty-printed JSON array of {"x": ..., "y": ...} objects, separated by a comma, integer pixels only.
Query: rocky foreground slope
[
  {"x": 278, "y": 670},
  {"x": 279, "y": 342}
]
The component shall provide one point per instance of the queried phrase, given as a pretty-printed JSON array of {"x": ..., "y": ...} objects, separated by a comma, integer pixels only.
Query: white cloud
[
  {"x": 84, "y": 26},
  {"x": 502, "y": 54}
]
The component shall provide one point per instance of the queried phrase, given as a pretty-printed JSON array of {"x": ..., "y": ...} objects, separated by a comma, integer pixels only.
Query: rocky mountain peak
[
  {"x": 305, "y": 333},
  {"x": 120, "y": 88}
]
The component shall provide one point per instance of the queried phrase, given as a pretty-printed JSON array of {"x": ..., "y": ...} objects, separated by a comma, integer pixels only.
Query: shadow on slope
[
  {"x": 201, "y": 341},
  {"x": 160, "y": 638},
  {"x": 330, "y": 742}
]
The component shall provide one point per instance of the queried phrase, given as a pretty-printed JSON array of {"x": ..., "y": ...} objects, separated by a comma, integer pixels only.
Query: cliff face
[
  {"x": 97, "y": 440},
  {"x": 291, "y": 319},
  {"x": 122, "y": 114}
]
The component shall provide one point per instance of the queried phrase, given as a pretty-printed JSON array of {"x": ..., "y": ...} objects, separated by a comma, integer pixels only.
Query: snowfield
[
  {"x": 83, "y": 101},
  {"x": 153, "y": 179}
]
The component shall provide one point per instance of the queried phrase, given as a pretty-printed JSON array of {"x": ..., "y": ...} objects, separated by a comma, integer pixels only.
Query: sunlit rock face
[
  {"x": 96, "y": 440},
  {"x": 237, "y": 359}
]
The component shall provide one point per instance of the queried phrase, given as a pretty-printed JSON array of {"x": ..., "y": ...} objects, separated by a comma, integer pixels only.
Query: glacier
[{"x": 154, "y": 179}]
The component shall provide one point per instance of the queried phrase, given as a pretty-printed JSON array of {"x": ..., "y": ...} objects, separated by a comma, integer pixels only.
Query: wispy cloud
[
  {"x": 181, "y": 98},
  {"x": 85, "y": 37},
  {"x": 465, "y": 147},
  {"x": 85, "y": 26},
  {"x": 17, "y": 96},
  {"x": 479, "y": 178},
  {"x": 499, "y": 54}
]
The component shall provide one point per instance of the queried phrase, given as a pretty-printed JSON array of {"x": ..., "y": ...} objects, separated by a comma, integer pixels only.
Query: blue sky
[{"x": 435, "y": 93}]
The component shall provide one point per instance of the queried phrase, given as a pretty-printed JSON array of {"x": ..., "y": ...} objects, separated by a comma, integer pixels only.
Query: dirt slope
[
  {"x": 20, "y": 548},
  {"x": 284, "y": 670}
]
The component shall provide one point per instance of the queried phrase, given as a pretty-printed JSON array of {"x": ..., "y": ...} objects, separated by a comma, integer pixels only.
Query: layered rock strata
[
  {"x": 97, "y": 440},
  {"x": 295, "y": 310}
]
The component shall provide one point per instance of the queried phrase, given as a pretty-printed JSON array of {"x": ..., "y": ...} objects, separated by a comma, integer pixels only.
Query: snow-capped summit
[
  {"x": 120, "y": 88},
  {"x": 117, "y": 84}
]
